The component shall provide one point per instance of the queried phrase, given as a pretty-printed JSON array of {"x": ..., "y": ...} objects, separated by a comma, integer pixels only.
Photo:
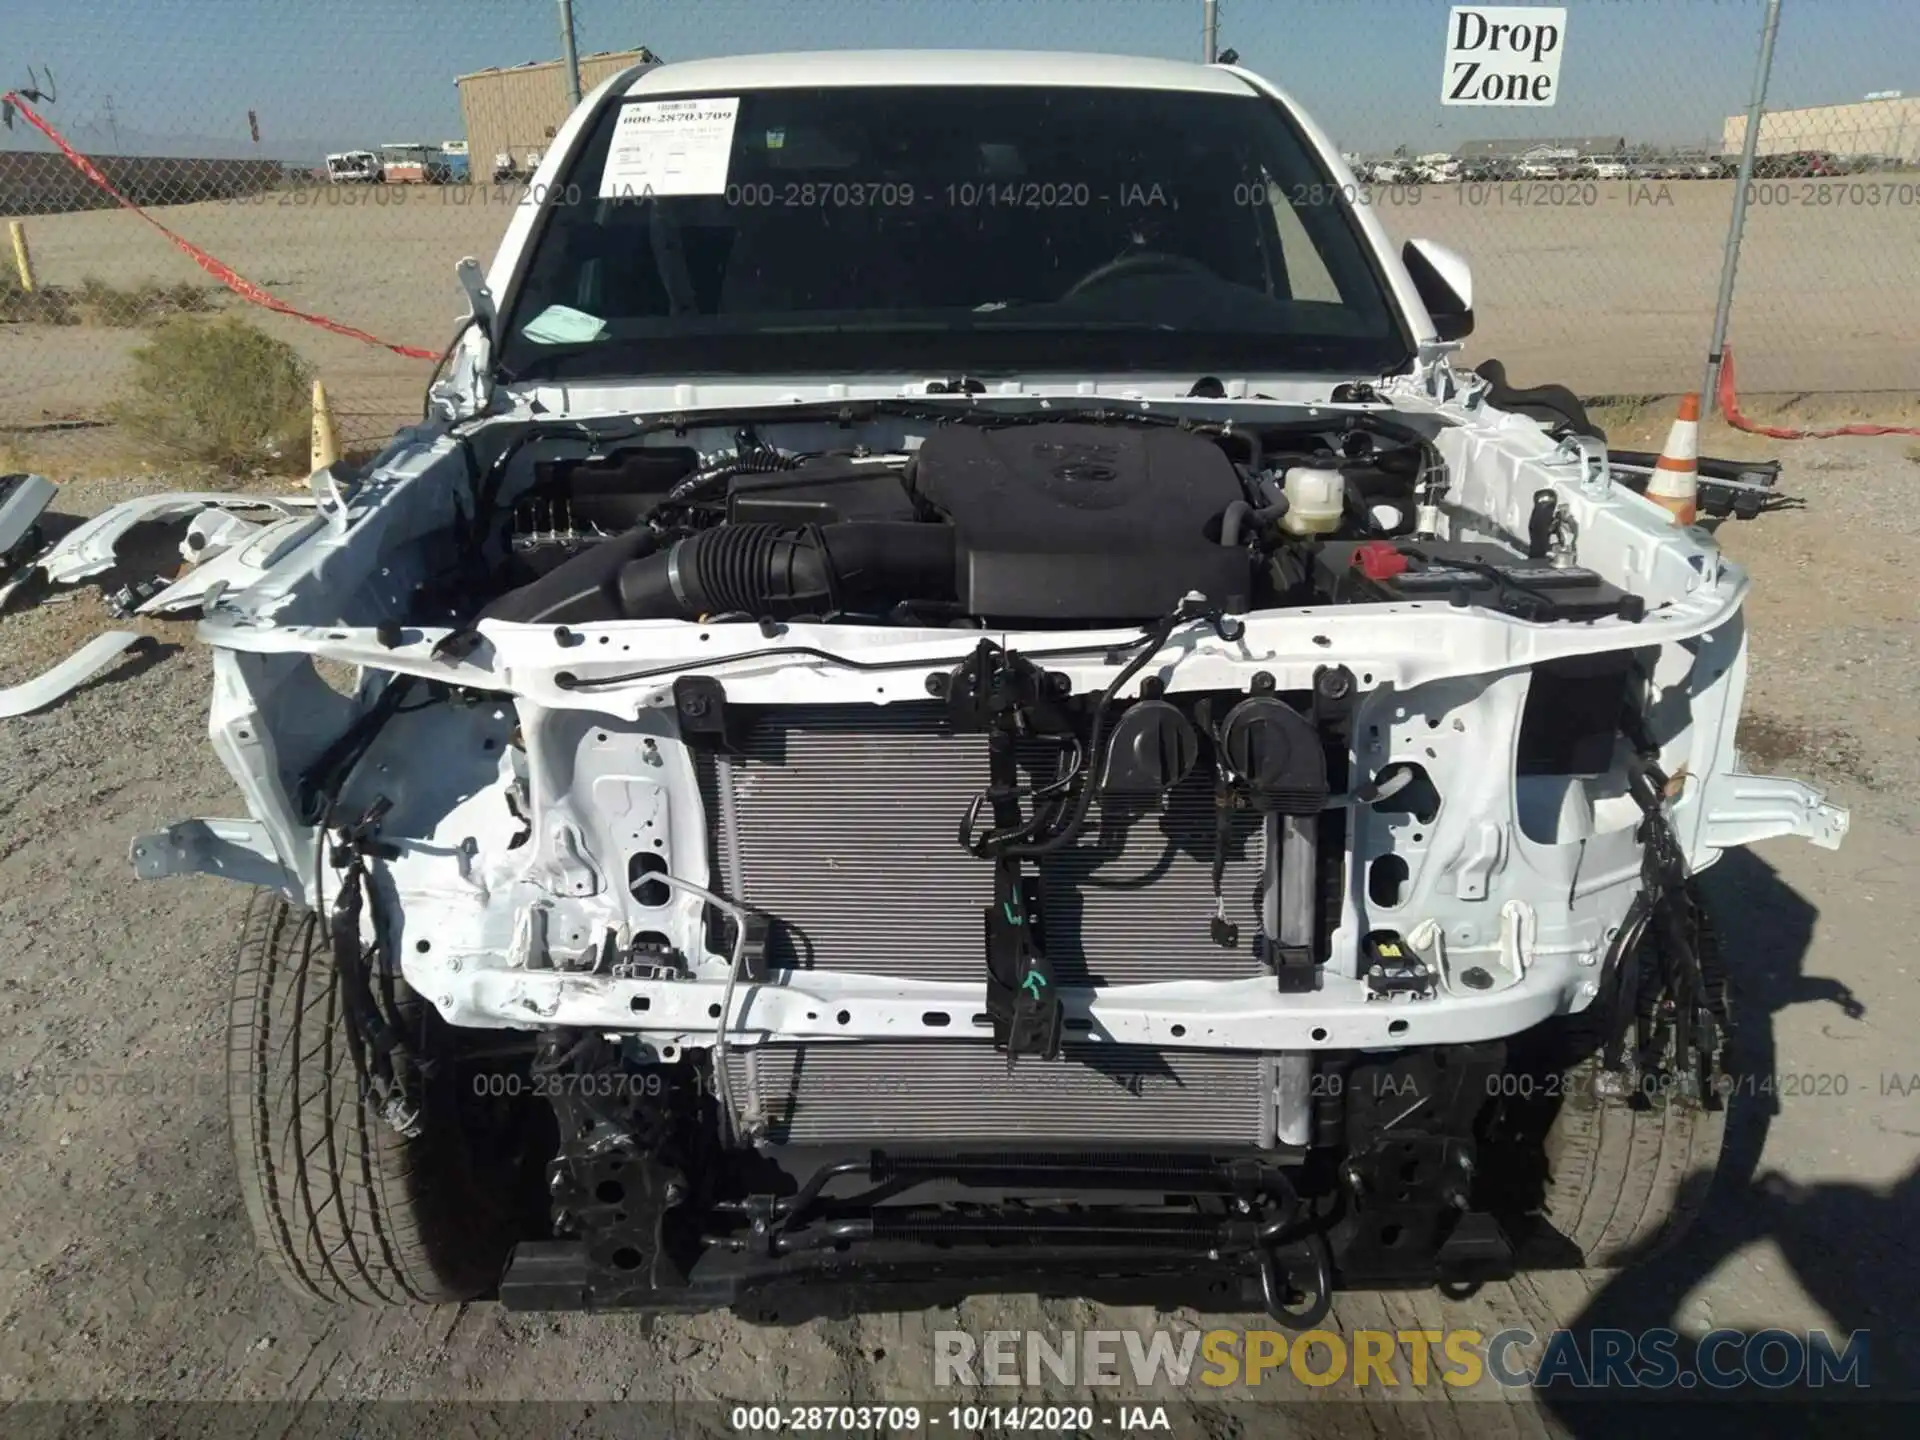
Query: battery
[{"x": 1466, "y": 573}]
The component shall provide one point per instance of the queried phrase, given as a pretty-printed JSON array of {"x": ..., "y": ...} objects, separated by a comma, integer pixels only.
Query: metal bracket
[
  {"x": 1738, "y": 809},
  {"x": 232, "y": 849},
  {"x": 480, "y": 304},
  {"x": 467, "y": 389},
  {"x": 1480, "y": 855},
  {"x": 562, "y": 867},
  {"x": 700, "y": 707},
  {"x": 329, "y": 499},
  {"x": 1596, "y": 469}
]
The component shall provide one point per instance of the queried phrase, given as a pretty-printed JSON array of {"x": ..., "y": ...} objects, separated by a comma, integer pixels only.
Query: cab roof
[{"x": 832, "y": 68}]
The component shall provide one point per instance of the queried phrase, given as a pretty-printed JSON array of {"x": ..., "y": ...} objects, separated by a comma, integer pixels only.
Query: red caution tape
[
  {"x": 1730, "y": 408},
  {"x": 225, "y": 274}
]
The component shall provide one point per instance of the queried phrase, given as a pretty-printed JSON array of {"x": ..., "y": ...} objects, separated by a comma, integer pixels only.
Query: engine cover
[{"x": 1084, "y": 522}]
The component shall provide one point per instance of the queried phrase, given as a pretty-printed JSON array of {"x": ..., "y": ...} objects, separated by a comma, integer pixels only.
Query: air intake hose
[{"x": 782, "y": 571}]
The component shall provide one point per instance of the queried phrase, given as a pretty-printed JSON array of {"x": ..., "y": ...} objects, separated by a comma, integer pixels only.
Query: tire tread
[{"x": 346, "y": 1209}]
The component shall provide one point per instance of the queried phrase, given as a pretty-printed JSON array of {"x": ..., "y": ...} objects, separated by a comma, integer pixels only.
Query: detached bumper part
[
  {"x": 22, "y": 498},
  {"x": 69, "y": 675}
]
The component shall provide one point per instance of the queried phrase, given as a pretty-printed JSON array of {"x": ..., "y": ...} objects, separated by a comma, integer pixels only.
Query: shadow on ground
[{"x": 1850, "y": 1247}]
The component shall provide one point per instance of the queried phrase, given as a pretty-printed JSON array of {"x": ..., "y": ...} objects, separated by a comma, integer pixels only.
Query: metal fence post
[
  {"x": 1210, "y": 31},
  {"x": 569, "y": 53},
  {"x": 1755, "y": 109}
]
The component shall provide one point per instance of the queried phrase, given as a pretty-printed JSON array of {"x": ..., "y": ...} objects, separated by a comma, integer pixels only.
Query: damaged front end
[{"x": 925, "y": 841}]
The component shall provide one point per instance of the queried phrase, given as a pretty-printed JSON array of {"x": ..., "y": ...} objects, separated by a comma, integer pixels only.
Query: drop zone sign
[{"x": 1503, "y": 55}]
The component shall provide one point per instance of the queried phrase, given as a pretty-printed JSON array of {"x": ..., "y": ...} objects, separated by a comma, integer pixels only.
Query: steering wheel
[{"x": 1137, "y": 262}]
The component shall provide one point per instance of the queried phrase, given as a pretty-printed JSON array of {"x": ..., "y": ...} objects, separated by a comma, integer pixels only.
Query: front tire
[
  {"x": 1625, "y": 1184},
  {"x": 1615, "y": 1177},
  {"x": 345, "y": 1208}
]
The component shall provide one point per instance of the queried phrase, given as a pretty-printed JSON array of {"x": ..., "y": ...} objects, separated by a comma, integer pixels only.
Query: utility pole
[
  {"x": 569, "y": 54},
  {"x": 1210, "y": 43},
  {"x": 1755, "y": 109}
]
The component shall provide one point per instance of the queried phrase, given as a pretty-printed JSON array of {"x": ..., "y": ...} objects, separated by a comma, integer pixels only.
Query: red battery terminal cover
[{"x": 1379, "y": 560}]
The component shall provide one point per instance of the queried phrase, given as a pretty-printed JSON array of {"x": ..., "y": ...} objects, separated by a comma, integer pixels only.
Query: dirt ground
[
  {"x": 127, "y": 1269},
  {"x": 1607, "y": 287}
]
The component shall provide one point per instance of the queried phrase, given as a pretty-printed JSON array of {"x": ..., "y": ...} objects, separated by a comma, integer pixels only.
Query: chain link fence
[
  {"x": 1828, "y": 287},
  {"x": 342, "y": 157}
]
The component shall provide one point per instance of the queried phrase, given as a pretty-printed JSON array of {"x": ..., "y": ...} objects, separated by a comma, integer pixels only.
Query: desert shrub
[
  {"x": 144, "y": 303},
  {"x": 220, "y": 392},
  {"x": 44, "y": 306},
  {"x": 96, "y": 302}
]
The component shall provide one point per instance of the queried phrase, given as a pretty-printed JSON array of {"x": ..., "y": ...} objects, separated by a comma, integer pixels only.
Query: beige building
[
  {"x": 511, "y": 114},
  {"x": 1889, "y": 127}
]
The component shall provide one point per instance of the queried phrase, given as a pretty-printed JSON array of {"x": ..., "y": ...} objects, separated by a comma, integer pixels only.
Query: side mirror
[{"x": 1445, "y": 283}]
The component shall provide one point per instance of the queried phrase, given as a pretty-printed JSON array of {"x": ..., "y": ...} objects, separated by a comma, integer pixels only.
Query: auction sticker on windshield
[{"x": 670, "y": 147}]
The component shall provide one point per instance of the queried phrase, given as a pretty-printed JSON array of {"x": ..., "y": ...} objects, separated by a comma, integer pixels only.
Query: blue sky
[{"x": 330, "y": 73}]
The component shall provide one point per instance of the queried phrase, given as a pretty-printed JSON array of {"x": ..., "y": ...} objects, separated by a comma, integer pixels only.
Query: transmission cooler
[{"x": 962, "y": 1091}]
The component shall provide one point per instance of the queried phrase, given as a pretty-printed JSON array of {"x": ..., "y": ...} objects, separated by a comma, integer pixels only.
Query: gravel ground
[{"x": 126, "y": 1268}]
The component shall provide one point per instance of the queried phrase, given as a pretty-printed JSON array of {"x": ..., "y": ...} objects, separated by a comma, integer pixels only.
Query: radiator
[
  {"x": 840, "y": 823},
  {"x": 953, "y": 1091}
]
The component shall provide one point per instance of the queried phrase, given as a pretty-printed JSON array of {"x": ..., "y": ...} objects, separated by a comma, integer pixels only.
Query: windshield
[{"x": 948, "y": 230}]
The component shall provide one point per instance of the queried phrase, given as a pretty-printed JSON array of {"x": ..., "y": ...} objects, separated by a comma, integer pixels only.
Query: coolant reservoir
[{"x": 1315, "y": 499}]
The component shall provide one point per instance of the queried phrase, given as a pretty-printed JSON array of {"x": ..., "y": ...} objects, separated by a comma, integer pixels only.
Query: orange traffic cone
[
  {"x": 1675, "y": 482},
  {"x": 326, "y": 437}
]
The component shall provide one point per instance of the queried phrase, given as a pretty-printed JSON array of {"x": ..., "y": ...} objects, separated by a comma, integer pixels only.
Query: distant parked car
[
  {"x": 1437, "y": 172},
  {"x": 1871, "y": 164},
  {"x": 1490, "y": 172},
  {"x": 1797, "y": 165},
  {"x": 410, "y": 162},
  {"x": 1384, "y": 172},
  {"x": 355, "y": 167}
]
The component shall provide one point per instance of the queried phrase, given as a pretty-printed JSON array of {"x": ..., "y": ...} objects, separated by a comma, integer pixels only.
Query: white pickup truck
[
  {"x": 355, "y": 167},
  {"x": 957, "y": 695}
]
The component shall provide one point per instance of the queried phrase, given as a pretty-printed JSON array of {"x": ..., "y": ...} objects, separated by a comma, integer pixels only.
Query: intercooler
[{"x": 840, "y": 824}]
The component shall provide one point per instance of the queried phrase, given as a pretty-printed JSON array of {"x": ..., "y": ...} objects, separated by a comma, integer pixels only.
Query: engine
[
  {"x": 1017, "y": 522},
  {"x": 1047, "y": 523},
  {"x": 1082, "y": 522}
]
